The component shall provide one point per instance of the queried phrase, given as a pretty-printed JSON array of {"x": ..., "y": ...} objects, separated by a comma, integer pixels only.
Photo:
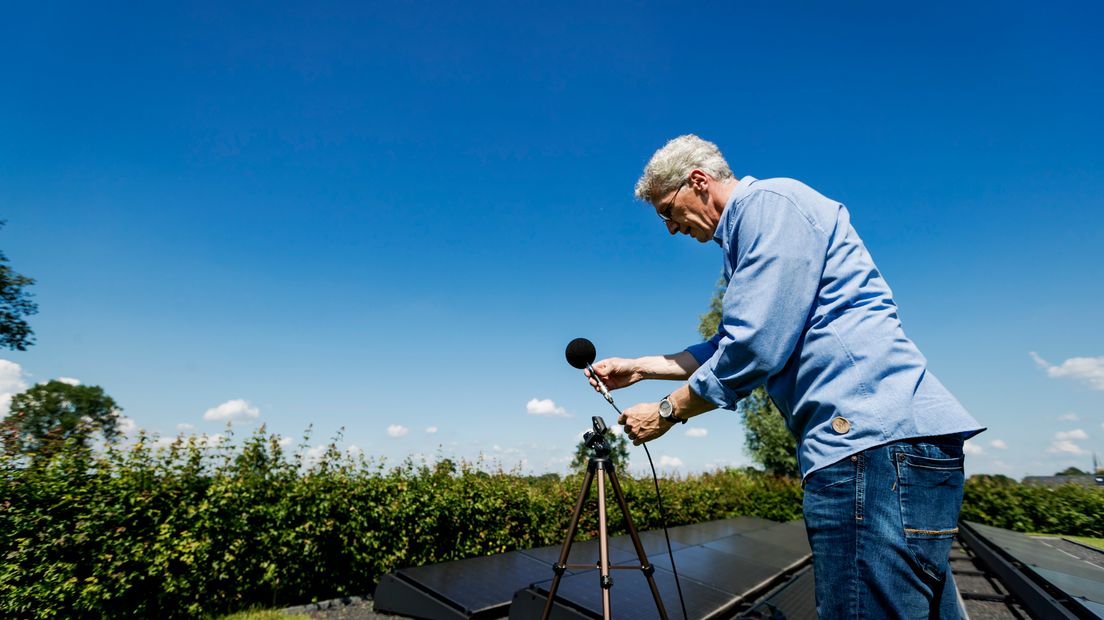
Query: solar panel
[
  {"x": 631, "y": 597},
  {"x": 699, "y": 533},
  {"x": 584, "y": 552},
  {"x": 472, "y": 587},
  {"x": 1080, "y": 579},
  {"x": 720, "y": 570},
  {"x": 750, "y": 548}
]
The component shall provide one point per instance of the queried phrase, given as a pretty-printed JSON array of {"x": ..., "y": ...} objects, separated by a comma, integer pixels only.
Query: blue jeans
[{"x": 880, "y": 524}]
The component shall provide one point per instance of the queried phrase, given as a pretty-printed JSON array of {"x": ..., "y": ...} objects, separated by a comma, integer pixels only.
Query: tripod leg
[
  {"x": 560, "y": 566},
  {"x": 603, "y": 545},
  {"x": 645, "y": 565}
]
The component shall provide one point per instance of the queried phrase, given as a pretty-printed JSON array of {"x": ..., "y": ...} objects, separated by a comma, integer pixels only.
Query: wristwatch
[{"x": 667, "y": 411}]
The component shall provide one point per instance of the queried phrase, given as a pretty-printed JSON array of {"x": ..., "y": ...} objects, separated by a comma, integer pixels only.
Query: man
[{"x": 807, "y": 313}]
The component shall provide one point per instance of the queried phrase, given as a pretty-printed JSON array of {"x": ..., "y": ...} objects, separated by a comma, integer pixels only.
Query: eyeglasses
[{"x": 665, "y": 214}]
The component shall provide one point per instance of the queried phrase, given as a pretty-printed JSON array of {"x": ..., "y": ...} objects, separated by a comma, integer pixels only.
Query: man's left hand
[{"x": 642, "y": 423}]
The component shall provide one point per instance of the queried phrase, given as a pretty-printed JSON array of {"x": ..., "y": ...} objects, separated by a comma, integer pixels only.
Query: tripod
[{"x": 601, "y": 465}]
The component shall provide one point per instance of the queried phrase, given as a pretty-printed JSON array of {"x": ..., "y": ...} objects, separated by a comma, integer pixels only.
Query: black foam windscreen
[{"x": 580, "y": 352}]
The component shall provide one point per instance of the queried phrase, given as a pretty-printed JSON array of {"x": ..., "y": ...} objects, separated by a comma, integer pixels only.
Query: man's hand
[
  {"x": 642, "y": 423},
  {"x": 615, "y": 372}
]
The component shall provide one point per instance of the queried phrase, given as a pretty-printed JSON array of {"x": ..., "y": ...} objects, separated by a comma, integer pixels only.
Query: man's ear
[{"x": 699, "y": 180}]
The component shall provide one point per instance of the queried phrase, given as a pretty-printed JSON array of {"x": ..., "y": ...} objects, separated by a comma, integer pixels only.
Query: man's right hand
[{"x": 615, "y": 372}]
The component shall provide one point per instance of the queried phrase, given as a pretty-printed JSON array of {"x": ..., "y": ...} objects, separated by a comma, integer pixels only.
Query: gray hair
[{"x": 671, "y": 164}]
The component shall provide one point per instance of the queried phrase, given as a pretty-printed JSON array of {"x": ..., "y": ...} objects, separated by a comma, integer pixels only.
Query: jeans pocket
[{"x": 931, "y": 481}]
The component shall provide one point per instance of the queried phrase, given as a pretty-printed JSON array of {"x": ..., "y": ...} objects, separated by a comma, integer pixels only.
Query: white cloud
[
  {"x": 185, "y": 427},
  {"x": 125, "y": 425},
  {"x": 1065, "y": 447},
  {"x": 69, "y": 380},
  {"x": 1068, "y": 417},
  {"x": 284, "y": 441},
  {"x": 397, "y": 430},
  {"x": 697, "y": 432},
  {"x": 545, "y": 406},
  {"x": 431, "y": 430},
  {"x": 1087, "y": 369},
  {"x": 972, "y": 448},
  {"x": 232, "y": 410},
  {"x": 999, "y": 444},
  {"x": 12, "y": 382},
  {"x": 669, "y": 461},
  {"x": 1071, "y": 435},
  {"x": 354, "y": 450}
]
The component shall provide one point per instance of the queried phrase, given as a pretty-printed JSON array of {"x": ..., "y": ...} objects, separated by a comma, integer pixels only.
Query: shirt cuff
[
  {"x": 708, "y": 386},
  {"x": 702, "y": 351}
]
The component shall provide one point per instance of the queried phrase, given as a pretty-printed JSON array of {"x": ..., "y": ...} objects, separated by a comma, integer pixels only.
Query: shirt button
[{"x": 840, "y": 425}]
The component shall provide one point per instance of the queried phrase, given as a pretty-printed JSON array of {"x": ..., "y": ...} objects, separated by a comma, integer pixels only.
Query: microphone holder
[{"x": 602, "y": 467}]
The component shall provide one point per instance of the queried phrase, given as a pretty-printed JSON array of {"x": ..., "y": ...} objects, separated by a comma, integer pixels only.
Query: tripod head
[{"x": 596, "y": 439}]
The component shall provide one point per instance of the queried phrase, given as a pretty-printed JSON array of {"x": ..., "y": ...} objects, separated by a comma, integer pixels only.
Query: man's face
[{"x": 685, "y": 210}]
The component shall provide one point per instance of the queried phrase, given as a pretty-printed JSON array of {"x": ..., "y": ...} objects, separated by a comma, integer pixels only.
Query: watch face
[{"x": 665, "y": 408}]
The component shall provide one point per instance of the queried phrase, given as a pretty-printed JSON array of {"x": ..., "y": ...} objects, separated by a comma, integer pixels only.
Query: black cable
[{"x": 663, "y": 517}]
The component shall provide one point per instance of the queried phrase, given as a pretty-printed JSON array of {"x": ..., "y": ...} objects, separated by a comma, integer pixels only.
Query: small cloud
[
  {"x": 354, "y": 450},
  {"x": 999, "y": 444},
  {"x": 1076, "y": 434},
  {"x": 1065, "y": 447},
  {"x": 397, "y": 430},
  {"x": 545, "y": 407},
  {"x": 69, "y": 380},
  {"x": 12, "y": 382},
  {"x": 430, "y": 430},
  {"x": 284, "y": 441},
  {"x": 125, "y": 425},
  {"x": 696, "y": 432},
  {"x": 669, "y": 461},
  {"x": 232, "y": 411},
  {"x": 1087, "y": 369},
  {"x": 972, "y": 448},
  {"x": 1068, "y": 417},
  {"x": 185, "y": 427}
]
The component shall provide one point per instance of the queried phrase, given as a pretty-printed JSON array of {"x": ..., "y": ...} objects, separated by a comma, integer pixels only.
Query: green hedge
[
  {"x": 186, "y": 531},
  {"x": 1070, "y": 509}
]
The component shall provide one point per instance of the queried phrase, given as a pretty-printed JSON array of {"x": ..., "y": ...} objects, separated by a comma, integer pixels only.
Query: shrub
[{"x": 192, "y": 529}]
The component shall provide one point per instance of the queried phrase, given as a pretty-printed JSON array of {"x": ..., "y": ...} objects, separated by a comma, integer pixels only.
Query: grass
[
  {"x": 1097, "y": 543},
  {"x": 1085, "y": 540}
]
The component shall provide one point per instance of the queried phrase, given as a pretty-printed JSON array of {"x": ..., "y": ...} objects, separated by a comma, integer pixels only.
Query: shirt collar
[{"x": 743, "y": 188}]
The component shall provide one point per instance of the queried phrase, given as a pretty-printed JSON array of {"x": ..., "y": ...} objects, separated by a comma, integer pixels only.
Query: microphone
[{"x": 580, "y": 353}]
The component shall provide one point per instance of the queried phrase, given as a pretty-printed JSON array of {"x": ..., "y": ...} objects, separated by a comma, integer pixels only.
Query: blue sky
[{"x": 392, "y": 218}]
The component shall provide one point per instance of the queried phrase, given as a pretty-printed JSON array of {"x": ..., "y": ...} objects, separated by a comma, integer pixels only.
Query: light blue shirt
[{"x": 806, "y": 312}]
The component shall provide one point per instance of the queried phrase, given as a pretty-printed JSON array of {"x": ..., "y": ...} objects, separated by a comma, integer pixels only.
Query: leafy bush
[
  {"x": 193, "y": 529},
  {"x": 1069, "y": 509}
]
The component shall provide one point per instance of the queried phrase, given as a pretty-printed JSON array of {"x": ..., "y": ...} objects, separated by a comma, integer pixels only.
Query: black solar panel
[
  {"x": 751, "y": 548},
  {"x": 712, "y": 530},
  {"x": 479, "y": 584},
  {"x": 632, "y": 598},
  {"x": 795, "y": 601},
  {"x": 717, "y": 569},
  {"x": 585, "y": 552},
  {"x": 1081, "y": 579}
]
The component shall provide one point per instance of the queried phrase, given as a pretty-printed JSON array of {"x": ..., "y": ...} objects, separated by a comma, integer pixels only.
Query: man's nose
[{"x": 672, "y": 227}]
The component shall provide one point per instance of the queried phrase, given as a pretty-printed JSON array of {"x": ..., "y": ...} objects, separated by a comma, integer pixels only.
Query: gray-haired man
[{"x": 808, "y": 314}]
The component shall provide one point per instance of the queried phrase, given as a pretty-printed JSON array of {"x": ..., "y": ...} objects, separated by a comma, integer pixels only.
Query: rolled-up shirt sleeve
[{"x": 777, "y": 256}]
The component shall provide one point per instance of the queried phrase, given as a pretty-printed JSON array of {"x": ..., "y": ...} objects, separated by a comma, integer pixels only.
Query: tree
[
  {"x": 767, "y": 440},
  {"x": 1072, "y": 471},
  {"x": 619, "y": 452},
  {"x": 45, "y": 417},
  {"x": 15, "y": 304}
]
